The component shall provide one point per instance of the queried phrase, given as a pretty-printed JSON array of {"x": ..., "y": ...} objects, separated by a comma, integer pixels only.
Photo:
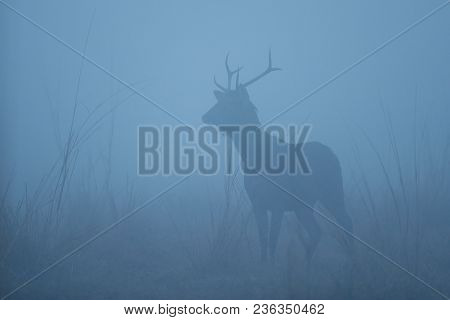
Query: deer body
[{"x": 284, "y": 191}]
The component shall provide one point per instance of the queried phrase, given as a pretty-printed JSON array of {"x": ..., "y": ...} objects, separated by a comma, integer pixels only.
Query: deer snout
[{"x": 206, "y": 118}]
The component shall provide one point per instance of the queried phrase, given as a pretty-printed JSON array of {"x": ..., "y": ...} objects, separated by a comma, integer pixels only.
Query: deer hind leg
[
  {"x": 275, "y": 226},
  {"x": 262, "y": 222},
  {"x": 307, "y": 220},
  {"x": 309, "y": 223},
  {"x": 335, "y": 204}
]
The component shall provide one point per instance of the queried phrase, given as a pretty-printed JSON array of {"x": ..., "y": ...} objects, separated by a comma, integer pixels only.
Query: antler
[
  {"x": 266, "y": 72},
  {"x": 230, "y": 74},
  {"x": 218, "y": 85}
]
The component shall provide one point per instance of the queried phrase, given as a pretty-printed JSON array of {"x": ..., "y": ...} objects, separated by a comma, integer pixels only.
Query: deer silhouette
[{"x": 323, "y": 184}]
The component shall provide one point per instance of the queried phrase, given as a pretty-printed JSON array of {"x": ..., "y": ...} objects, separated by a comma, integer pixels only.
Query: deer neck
[{"x": 248, "y": 138}]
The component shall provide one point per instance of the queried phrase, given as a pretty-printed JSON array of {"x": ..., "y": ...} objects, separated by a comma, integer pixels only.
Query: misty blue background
[{"x": 170, "y": 50}]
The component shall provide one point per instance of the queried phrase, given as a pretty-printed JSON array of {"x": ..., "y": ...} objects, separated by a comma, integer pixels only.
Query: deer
[{"x": 324, "y": 183}]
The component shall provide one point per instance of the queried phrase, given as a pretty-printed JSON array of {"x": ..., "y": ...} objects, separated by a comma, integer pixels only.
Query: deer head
[{"x": 233, "y": 106}]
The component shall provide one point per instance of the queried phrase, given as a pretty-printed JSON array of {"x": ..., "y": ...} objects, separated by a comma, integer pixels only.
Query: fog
[{"x": 371, "y": 78}]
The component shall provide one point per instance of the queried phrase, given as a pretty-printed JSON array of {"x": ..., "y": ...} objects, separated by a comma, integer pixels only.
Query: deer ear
[{"x": 219, "y": 94}]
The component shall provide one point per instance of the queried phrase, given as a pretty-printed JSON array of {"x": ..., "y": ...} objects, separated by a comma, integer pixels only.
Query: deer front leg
[{"x": 263, "y": 229}]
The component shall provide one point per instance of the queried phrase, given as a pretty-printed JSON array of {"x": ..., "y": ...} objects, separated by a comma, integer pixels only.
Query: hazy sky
[{"x": 170, "y": 51}]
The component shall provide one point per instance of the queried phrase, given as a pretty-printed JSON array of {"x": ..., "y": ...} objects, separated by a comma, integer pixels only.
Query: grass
[{"x": 200, "y": 241}]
